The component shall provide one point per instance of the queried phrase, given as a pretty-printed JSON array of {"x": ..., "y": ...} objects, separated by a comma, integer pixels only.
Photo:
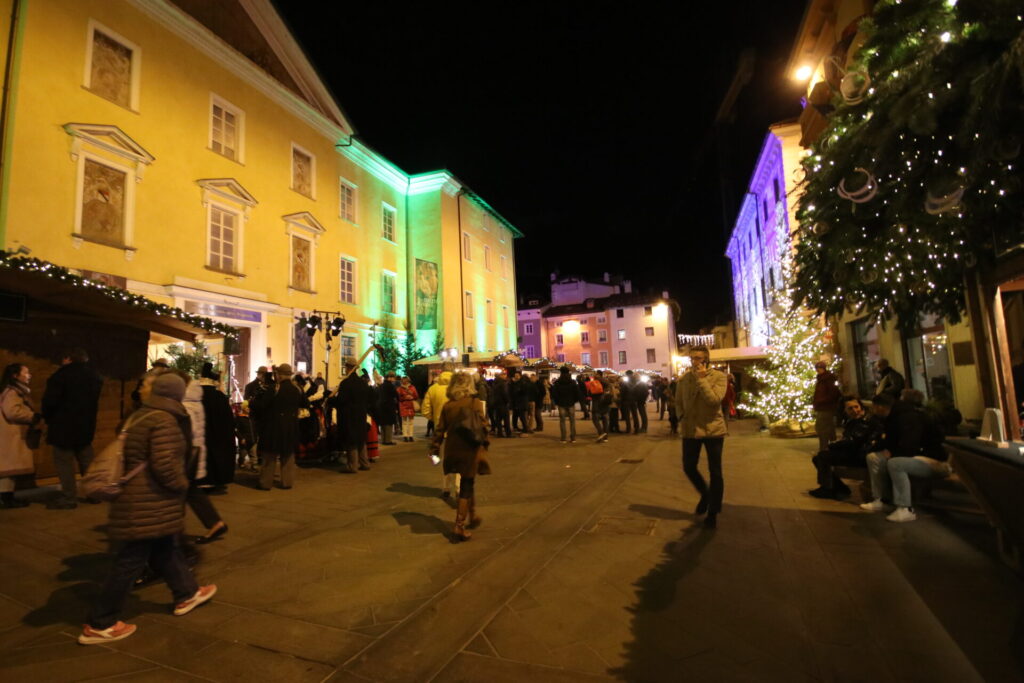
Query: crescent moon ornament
[
  {"x": 936, "y": 205},
  {"x": 865, "y": 193},
  {"x": 854, "y": 85}
]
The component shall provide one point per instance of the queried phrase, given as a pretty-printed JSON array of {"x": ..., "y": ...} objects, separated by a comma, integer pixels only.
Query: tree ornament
[
  {"x": 863, "y": 194},
  {"x": 855, "y": 85},
  {"x": 869, "y": 275},
  {"x": 936, "y": 205},
  {"x": 820, "y": 228}
]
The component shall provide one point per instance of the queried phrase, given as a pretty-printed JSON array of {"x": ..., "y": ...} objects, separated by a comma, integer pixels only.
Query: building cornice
[
  {"x": 184, "y": 26},
  {"x": 375, "y": 164}
]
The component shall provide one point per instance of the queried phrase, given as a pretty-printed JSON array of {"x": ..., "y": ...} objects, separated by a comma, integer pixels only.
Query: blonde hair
[{"x": 461, "y": 385}]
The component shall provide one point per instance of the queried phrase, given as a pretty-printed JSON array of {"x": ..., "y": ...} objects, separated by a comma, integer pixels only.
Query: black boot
[{"x": 8, "y": 502}]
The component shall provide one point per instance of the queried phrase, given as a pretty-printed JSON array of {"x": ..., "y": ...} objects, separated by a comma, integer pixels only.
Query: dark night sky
[{"x": 589, "y": 125}]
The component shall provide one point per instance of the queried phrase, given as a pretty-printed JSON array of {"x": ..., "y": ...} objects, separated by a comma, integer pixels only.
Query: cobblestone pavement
[{"x": 589, "y": 566}]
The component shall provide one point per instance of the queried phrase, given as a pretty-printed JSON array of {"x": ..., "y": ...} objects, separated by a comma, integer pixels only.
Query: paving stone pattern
[{"x": 589, "y": 566}]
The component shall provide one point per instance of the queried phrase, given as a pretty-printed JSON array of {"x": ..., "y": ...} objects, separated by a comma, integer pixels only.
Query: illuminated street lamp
[{"x": 803, "y": 73}]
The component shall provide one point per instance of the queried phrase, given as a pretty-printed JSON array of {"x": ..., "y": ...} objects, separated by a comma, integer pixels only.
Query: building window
[
  {"x": 530, "y": 351},
  {"x": 651, "y": 356},
  {"x": 346, "y": 200},
  {"x": 619, "y": 313},
  {"x": 602, "y": 336},
  {"x": 527, "y": 328},
  {"x": 504, "y": 266},
  {"x": 388, "y": 289},
  {"x": 504, "y": 317},
  {"x": 648, "y": 331},
  {"x": 112, "y": 67},
  {"x": 584, "y": 337},
  {"x": 585, "y": 358},
  {"x": 303, "y": 171},
  {"x": 348, "y": 349},
  {"x": 648, "y": 310},
  {"x": 387, "y": 222},
  {"x": 622, "y": 334},
  {"x": 347, "y": 269},
  {"x": 487, "y": 257},
  {"x": 601, "y": 319},
  {"x": 302, "y": 263},
  {"x": 585, "y": 321},
  {"x": 559, "y": 339},
  {"x": 469, "y": 305},
  {"x": 490, "y": 311},
  {"x": 561, "y": 358},
  {"x": 622, "y": 357},
  {"x": 105, "y": 205},
  {"x": 466, "y": 253},
  {"x": 224, "y": 226},
  {"x": 226, "y": 128},
  {"x": 603, "y": 356}
]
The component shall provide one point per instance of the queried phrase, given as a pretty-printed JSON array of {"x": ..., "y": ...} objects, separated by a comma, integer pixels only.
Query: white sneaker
[
  {"x": 874, "y": 506},
  {"x": 902, "y": 515}
]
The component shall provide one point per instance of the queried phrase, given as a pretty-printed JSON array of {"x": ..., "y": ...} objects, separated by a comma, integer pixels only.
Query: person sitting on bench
[{"x": 861, "y": 434}]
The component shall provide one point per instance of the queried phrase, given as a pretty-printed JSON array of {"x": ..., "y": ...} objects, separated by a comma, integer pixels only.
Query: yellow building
[{"x": 189, "y": 152}]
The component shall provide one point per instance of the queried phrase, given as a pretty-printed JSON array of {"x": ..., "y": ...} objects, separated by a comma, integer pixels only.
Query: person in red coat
[{"x": 407, "y": 398}]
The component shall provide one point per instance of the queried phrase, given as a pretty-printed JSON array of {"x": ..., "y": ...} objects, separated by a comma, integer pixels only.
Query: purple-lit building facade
[{"x": 761, "y": 232}]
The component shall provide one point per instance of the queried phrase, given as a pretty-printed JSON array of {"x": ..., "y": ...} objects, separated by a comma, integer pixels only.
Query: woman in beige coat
[{"x": 16, "y": 419}]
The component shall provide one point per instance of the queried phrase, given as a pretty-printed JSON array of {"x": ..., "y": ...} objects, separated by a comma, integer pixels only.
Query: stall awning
[
  {"x": 475, "y": 358},
  {"x": 738, "y": 353}
]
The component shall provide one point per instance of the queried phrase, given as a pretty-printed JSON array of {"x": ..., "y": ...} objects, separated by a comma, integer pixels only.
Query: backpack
[
  {"x": 472, "y": 430},
  {"x": 105, "y": 479}
]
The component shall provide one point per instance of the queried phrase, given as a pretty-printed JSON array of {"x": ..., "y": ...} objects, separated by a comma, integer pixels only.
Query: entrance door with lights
[{"x": 927, "y": 354}]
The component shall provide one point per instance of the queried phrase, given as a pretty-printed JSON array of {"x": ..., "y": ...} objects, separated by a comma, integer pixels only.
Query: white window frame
[
  {"x": 527, "y": 328},
  {"x": 530, "y": 350},
  {"x": 130, "y": 180},
  {"x": 385, "y": 273},
  {"x": 585, "y": 357},
  {"x": 467, "y": 247},
  {"x": 312, "y": 164},
  {"x": 621, "y": 334},
  {"x": 601, "y": 319},
  {"x": 355, "y": 279},
  {"x": 136, "y": 79},
  {"x": 560, "y": 358},
  {"x": 584, "y": 337},
  {"x": 559, "y": 340},
  {"x": 603, "y": 358},
  {"x": 487, "y": 257},
  {"x": 602, "y": 336},
  {"x": 386, "y": 209},
  {"x": 239, "y": 214},
  {"x": 354, "y": 220},
  {"x": 467, "y": 297},
  {"x": 622, "y": 358},
  {"x": 239, "y": 113},
  {"x": 648, "y": 329}
]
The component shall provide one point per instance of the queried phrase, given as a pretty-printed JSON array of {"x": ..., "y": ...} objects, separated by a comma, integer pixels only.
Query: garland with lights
[
  {"x": 916, "y": 180},
  {"x": 39, "y": 267}
]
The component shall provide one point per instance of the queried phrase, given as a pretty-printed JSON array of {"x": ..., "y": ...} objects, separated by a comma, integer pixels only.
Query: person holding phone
[{"x": 698, "y": 399}]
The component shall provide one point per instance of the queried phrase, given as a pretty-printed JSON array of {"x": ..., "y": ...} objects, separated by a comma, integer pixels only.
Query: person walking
[
  {"x": 826, "y": 400},
  {"x": 148, "y": 516},
  {"x": 462, "y": 429},
  {"x": 600, "y": 401},
  {"x": 699, "y": 395},
  {"x": 196, "y": 464},
  {"x": 641, "y": 391},
  {"x": 220, "y": 432},
  {"x": 70, "y": 403},
  {"x": 565, "y": 394},
  {"x": 17, "y": 416},
  {"x": 548, "y": 405},
  {"x": 540, "y": 392},
  {"x": 627, "y": 403},
  {"x": 387, "y": 409},
  {"x": 433, "y": 404},
  {"x": 407, "y": 398},
  {"x": 614, "y": 405},
  {"x": 353, "y": 400},
  {"x": 279, "y": 427},
  {"x": 530, "y": 393},
  {"x": 498, "y": 407},
  {"x": 517, "y": 391}
]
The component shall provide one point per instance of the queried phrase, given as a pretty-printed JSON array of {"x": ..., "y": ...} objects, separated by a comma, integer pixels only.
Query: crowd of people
[{"x": 184, "y": 440}]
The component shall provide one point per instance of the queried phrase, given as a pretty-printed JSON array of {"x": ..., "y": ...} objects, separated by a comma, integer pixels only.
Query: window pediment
[
  {"x": 109, "y": 139},
  {"x": 304, "y": 220},
  {"x": 226, "y": 189}
]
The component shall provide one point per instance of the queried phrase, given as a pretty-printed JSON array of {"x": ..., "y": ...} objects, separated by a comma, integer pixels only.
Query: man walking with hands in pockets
[{"x": 699, "y": 395}]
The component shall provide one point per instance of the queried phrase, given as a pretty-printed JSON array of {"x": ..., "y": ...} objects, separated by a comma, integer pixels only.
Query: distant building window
[
  {"x": 527, "y": 328},
  {"x": 466, "y": 244},
  {"x": 559, "y": 339},
  {"x": 622, "y": 334},
  {"x": 348, "y": 348},
  {"x": 585, "y": 321},
  {"x": 469, "y": 305},
  {"x": 619, "y": 313},
  {"x": 490, "y": 311},
  {"x": 622, "y": 357},
  {"x": 226, "y": 126},
  {"x": 387, "y": 295},
  {"x": 530, "y": 350},
  {"x": 585, "y": 358},
  {"x": 584, "y": 337},
  {"x": 602, "y": 336},
  {"x": 504, "y": 267},
  {"x": 778, "y": 188},
  {"x": 487, "y": 257},
  {"x": 347, "y": 292},
  {"x": 648, "y": 310},
  {"x": 387, "y": 222},
  {"x": 561, "y": 358},
  {"x": 113, "y": 71},
  {"x": 346, "y": 200},
  {"x": 649, "y": 331},
  {"x": 603, "y": 356},
  {"x": 504, "y": 317},
  {"x": 224, "y": 226},
  {"x": 303, "y": 171},
  {"x": 601, "y": 319},
  {"x": 651, "y": 356}
]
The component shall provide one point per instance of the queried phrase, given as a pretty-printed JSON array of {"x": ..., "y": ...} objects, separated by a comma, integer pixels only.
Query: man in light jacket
[{"x": 699, "y": 395}]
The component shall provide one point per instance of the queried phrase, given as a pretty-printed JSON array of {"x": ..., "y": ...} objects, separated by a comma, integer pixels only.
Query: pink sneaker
[
  {"x": 93, "y": 636},
  {"x": 202, "y": 595}
]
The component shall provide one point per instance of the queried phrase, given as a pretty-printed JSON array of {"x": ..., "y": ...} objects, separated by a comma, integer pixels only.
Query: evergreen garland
[{"x": 916, "y": 180}]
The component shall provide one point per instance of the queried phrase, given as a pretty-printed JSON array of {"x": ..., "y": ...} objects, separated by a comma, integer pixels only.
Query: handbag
[{"x": 105, "y": 479}]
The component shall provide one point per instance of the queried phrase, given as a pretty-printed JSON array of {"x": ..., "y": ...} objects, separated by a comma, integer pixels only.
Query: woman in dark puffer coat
[{"x": 149, "y": 515}]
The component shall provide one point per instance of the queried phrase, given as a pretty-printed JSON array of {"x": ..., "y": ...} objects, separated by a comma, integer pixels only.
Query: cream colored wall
[{"x": 172, "y": 123}]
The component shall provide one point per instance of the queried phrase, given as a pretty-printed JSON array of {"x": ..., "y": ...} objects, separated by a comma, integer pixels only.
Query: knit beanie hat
[{"x": 169, "y": 385}]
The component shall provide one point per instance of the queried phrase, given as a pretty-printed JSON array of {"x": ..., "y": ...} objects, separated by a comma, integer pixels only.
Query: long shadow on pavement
[
  {"x": 420, "y": 523},
  {"x": 413, "y": 490}
]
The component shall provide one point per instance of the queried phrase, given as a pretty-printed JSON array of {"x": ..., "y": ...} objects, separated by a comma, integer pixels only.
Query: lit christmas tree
[
  {"x": 796, "y": 341},
  {"x": 916, "y": 181}
]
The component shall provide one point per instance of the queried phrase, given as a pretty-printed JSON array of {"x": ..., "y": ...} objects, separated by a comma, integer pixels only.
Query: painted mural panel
[
  {"x": 426, "y": 295},
  {"x": 301, "y": 278},
  {"x": 302, "y": 173},
  {"x": 111, "y": 70},
  {"x": 103, "y": 203}
]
